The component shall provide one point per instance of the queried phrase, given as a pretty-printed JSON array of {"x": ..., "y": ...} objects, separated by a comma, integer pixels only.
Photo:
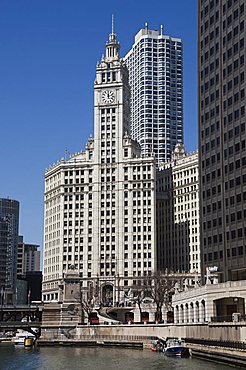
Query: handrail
[{"x": 217, "y": 343}]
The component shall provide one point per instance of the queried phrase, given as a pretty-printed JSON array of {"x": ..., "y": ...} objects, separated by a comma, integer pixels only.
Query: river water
[{"x": 63, "y": 358}]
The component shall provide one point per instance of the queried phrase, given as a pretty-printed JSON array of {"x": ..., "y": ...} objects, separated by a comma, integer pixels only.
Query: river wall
[{"x": 213, "y": 331}]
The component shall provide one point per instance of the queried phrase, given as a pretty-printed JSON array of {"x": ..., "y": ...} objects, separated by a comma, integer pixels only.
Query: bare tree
[
  {"x": 159, "y": 287},
  {"x": 86, "y": 306},
  {"x": 85, "y": 298},
  {"x": 138, "y": 295}
]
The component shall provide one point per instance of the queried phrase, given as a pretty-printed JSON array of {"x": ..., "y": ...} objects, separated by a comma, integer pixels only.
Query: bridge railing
[
  {"x": 19, "y": 324},
  {"x": 19, "y": 307}
]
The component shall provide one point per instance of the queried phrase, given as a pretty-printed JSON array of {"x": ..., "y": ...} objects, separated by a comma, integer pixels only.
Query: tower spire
[
  {"x": 112, "y": 46},
  {"x": 112, "y": 36},
  {"x": 112, "y": 24}
]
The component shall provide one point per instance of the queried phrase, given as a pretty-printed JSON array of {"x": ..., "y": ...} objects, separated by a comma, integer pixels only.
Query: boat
[
  {"x": 21, "y": 336},
  {"x": 158, "y": 345},
  {"x": 177, "y": 348}
]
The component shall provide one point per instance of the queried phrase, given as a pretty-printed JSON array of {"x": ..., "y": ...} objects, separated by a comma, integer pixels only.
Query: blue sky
[{"x": 49, "y": 50}]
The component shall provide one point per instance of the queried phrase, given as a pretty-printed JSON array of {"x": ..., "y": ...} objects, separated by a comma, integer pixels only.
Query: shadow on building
[{"x": 173, "y": 235}]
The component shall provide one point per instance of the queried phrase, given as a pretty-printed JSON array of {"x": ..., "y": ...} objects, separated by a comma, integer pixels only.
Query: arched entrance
[
  {"x": 181, "y": 313},
  {"x": 145, "y": 317},
  {"x": 129, "y": 317},
  {"x": 196, "y": 312},
  {"x": 202, "y": 311},
  {"x": 93, "y": 318},
  {"x": 170, "y": 317},
  {"x": 226, "y": 307},
  {"x": 191, "y": 312},
  {"x": 107, "y": 295}
]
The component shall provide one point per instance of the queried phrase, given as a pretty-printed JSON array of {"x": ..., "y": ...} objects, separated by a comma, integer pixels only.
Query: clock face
[{"x": 108, "y": 96}]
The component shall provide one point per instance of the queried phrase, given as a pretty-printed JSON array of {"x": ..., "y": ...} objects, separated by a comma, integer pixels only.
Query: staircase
[{"x": 103, "y": 315}]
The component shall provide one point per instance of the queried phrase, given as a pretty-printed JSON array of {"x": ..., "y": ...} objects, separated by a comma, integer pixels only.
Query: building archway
[
  {"x": 181, "y": 313},
  {"x": 224, "y": 308},
  {"x": 176, "y": 314},
  {"x": 170, "y": 317},
  {"x": 203, "y": 311},
  {"x": 196, "y": 312},
  {"x": 129, "y": 317},
  {"x": 145, "y": 317},
  {"x": 107, "y": 294},
  {"x": 191, "y": 312},
  {"x": 186, "y": 313}
]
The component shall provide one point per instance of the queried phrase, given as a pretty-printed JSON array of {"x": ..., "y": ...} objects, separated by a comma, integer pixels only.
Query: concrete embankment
[
  {"x": 89, "y": 343},
  {"x": 225, "y": 356}
]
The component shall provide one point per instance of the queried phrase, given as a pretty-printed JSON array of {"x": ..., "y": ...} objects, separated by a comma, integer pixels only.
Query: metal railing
[
  {"x": 128, "y": 338},
  {"x": 62, "y": 335},
  {"x": 229, "y": 318},
  {"x": 19, "y": 324},
  {"x": 217, "y": 343}
]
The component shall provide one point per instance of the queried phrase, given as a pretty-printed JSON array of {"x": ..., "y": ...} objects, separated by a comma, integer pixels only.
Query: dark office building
[
  {"x": 222, "y": 137},
  {"x": 34, "y": 281},
  {"x": 9, "y": 226},
  {"x": 3, "y": 251},
  {"x": 29, "y": 287}
]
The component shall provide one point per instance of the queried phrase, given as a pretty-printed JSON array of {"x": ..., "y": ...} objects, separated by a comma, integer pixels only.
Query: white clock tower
[
  {"x": 111, "y": 103},
  {"x": 103, "y": 199}
]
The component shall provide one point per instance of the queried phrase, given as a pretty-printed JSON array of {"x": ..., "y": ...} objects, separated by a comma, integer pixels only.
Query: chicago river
[{"x": 56, "y": 358}]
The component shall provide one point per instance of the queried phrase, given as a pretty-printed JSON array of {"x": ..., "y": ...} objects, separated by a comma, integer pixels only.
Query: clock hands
[{"x": 108, "y": 96}]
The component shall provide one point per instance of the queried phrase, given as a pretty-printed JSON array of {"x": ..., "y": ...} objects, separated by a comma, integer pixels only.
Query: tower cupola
[{"x": 112, "y": 46}]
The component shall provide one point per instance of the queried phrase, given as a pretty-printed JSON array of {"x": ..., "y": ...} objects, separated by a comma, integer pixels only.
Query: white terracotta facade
[{"x": 99, "y": 217}]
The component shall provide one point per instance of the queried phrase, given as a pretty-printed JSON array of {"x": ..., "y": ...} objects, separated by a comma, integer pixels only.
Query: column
[
  {"x": 180, "y": 315},
  {"x": 164, "y": 315},
  {"x": 195, "y": 313},
  {"x": 152, "y": 315},
  {"x": 176, "y": 315},
  {"x": 185, "y": 314},
  {"x": 190, "y": 313}
]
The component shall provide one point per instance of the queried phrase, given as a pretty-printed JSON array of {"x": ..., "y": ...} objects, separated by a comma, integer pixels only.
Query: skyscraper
[
  {"x": 222, "y": 136},
  {"x": 9, "y": 226},
  {"x": 156, "y": 81},
  {"x": 177, "y": 221},
  {"x": 28, "y": 258},
  {"x": 100, "y": 203}
]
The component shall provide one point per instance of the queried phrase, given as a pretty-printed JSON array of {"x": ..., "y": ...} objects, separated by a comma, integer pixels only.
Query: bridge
[{"x": 26, "y": 317}]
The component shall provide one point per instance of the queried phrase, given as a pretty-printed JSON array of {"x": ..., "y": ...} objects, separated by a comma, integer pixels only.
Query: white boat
[
  {"x": 176, "y": 347},
  {"x": 20, "y": 337}
]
